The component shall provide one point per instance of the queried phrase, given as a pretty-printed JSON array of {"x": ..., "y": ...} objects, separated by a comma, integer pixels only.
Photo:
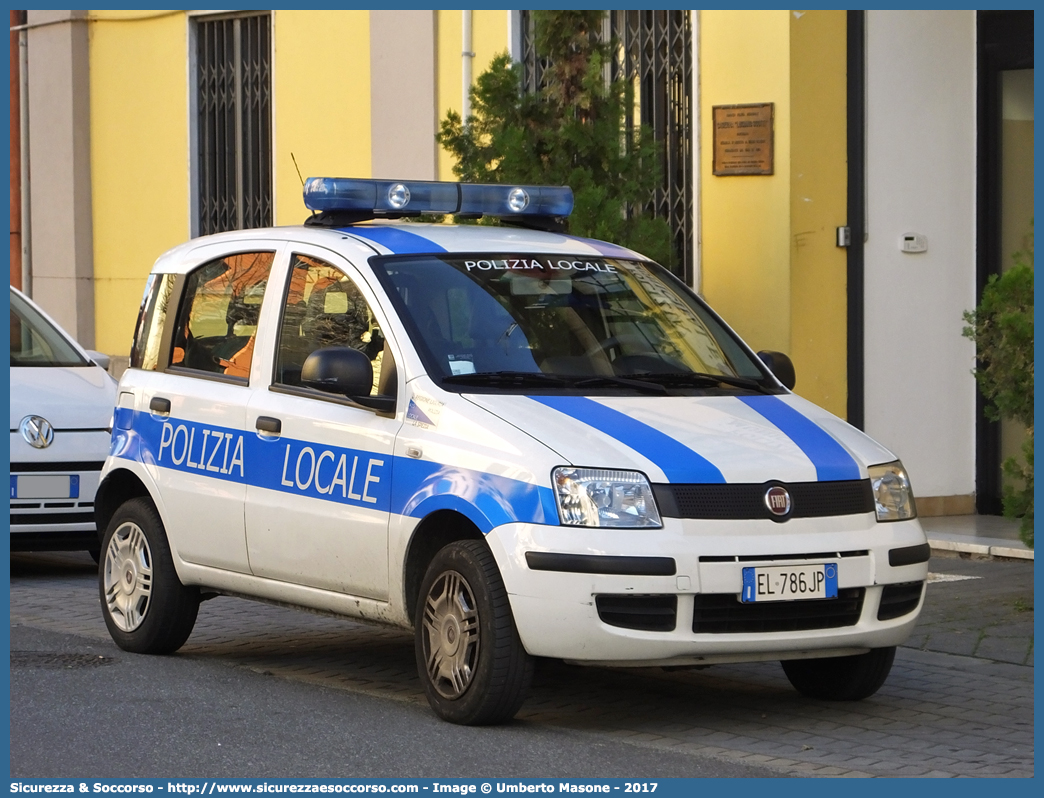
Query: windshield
[
  {"x": 563, "y": 322},
  {"x": 36, "y": 342}
]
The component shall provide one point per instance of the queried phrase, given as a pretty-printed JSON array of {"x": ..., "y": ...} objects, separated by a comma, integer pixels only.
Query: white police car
[
  {"x": 61, "y": 407},
  {"x": 520, "y": 443}
]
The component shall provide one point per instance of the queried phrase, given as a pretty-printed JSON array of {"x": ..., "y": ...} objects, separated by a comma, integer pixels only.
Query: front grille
[
  {"x": 898, "y": 600},
  {"x": 723, "y": 613},
  {"x": 51, "y": 518},
  {"x": 58, "y": 467},
  {"x": 819, "y": 555},
  {"x": 645, "y": 613},
  {"x": 745, "y": 501}
]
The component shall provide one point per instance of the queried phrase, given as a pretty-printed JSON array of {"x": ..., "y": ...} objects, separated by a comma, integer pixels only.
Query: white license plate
[
  {"x": 789, "y": 582},
  {"x": 45, "y": 486}
]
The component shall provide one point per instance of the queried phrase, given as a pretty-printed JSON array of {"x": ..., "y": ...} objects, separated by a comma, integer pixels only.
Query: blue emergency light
[{"x": 397, "y": 198}]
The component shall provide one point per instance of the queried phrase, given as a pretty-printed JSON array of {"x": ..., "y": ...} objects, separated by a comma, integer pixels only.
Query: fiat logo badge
[
  {"x": 37, "y": 431},
  {"x": 777, "y": 500}
]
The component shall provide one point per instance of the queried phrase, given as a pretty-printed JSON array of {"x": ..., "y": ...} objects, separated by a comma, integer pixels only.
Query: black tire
[
  {"x": 146, "y": 608},
  {"x": 470, "y": 659},
  {"x": 841, "y": 678}
]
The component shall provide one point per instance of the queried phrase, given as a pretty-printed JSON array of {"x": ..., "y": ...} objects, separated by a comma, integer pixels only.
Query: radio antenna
[{"x": 298, "y": 168}]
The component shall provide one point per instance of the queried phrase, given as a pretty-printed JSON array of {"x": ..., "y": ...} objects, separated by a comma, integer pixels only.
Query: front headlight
[
  {"x": 596, "y": 497},
  {"x": 893, "y": 495}
]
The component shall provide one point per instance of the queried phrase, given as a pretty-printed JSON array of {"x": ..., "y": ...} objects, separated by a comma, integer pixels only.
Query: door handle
[
  {"x": 159, "y": 405},
  {"x": 269, "y": 424}
]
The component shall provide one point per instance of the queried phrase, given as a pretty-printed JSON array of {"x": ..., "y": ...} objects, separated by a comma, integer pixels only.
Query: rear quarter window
[{"x": 152, "y": 317}]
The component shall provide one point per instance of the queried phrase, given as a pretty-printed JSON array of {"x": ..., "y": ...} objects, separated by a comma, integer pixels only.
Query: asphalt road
[
  {"x": 265, "y": 691},
  {"x": 82, "y": 710}
]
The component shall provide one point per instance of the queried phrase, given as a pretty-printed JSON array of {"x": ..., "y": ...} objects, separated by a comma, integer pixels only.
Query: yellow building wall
[
  {"x": 139, "y": 155},
  {"x": 321, "y": 102},
  {"x": 745, "y": 264},
  {"x": 489, "y": 37},
  {"x": 818, "y": 206},
  {"x": 140, "y": 131},
  {"x": 769, "y": 260}
]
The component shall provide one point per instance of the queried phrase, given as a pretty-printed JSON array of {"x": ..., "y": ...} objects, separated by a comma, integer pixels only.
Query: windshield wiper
[
  {"x": 701, "y": 379},
  {"x": 505, "y": 378},
  {"x": 626, "y": 382},
  {"x": 649, "y": 383}
]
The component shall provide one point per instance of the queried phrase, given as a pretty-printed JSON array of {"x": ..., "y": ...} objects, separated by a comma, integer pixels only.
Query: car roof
[{"x": 396, "y": 238}]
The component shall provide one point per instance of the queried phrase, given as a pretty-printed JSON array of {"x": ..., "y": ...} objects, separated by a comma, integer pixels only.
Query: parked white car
[
  {"x": 520, "y": 443},
  {"x": 61, "y": 410}
]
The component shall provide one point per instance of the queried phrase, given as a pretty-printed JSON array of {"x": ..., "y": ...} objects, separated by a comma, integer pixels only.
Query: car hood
[
  {"x": 69, "y": 398},
  {"x": 695, "y": 439}
]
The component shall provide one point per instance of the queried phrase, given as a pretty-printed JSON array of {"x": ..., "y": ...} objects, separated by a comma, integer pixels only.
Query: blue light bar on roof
[{"x": 414, "y": 197}]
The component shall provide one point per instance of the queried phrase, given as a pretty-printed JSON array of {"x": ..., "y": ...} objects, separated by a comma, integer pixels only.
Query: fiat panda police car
[{"x": 518, "y": 442}]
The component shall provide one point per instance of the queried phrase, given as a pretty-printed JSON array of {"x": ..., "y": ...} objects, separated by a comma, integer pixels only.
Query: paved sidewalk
[
  {"x": 977, "y": 535},
  {"x": 979, "y": 608}
]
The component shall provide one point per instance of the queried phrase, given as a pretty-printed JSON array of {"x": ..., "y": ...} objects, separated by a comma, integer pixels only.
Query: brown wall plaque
[{"x": 743, "y": 137}]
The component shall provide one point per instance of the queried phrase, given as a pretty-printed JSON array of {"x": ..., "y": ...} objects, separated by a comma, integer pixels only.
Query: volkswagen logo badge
[
  {"x": 777, "y": 500},
  {"x": 37, "y": 431}
]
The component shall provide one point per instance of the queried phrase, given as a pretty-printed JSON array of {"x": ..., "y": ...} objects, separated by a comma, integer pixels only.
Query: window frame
[{"x": 195, "y": 19}]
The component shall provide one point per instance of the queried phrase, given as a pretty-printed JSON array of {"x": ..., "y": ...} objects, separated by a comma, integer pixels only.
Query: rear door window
[{"x": 217, "y": 322}]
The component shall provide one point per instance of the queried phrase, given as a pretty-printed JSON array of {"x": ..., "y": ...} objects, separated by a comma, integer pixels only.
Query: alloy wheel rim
[
  {"x": 128, "y": 577},
  {"x": 450, "y": 635}
]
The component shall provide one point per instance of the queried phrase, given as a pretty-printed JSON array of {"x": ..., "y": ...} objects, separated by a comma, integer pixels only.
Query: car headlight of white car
[
  {"x": 893, "y": 495},
  {"x": 603, "y": 498}
]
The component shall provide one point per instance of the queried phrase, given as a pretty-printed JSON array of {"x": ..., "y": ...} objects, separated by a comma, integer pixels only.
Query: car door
[
  {"x": 318, "y": 514},
  {"x": 194, "y": 410}
]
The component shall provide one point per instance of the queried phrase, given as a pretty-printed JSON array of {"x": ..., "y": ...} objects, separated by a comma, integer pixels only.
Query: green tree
[
  {"x": 1002, "y": 328},
  {"x": 572, "y": 132}
]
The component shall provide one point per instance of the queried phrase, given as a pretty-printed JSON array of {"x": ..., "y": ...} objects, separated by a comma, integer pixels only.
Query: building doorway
[{"x": 1005, "y": 200}]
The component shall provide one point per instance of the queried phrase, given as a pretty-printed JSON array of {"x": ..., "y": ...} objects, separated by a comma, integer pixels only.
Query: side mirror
[
  {"x": 99, "y": 358},
  {"x": 345, "y": 371},
  {"x": 781, "y": 366}
]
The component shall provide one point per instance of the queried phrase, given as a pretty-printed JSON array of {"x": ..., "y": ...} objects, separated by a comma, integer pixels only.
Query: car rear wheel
[
  {"x": 146, "y": 608},
  {"x": 469, "y": 656},
  {"x": 841, "y": 678}
]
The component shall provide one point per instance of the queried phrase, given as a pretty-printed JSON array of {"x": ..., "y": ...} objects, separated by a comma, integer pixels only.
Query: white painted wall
[
  {"x": 920, "y": 395},
  {"x": 59, "y": 146}
]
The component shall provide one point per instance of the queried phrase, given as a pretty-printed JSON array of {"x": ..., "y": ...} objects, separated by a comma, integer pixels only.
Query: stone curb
[{"x": 981, "y": 549}]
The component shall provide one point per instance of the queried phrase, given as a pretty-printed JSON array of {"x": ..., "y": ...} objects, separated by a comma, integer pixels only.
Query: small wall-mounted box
[{"x": 913, "y": 242}]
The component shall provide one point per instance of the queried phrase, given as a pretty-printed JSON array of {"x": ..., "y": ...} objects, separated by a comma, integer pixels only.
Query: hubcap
[
  {"x": 128, "y": 577},
  {"x": 450, "y": 635}
]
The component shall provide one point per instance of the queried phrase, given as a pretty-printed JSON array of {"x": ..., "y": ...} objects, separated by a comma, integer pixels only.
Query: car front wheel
[
  {"x": 147, "y": 610},
  {"x": 469, "y": 656},
  {"x": 841, "y": 678}
]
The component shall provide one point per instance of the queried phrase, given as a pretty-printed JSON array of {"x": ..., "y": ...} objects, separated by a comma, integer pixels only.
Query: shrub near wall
[
  {"x": 1002, "y": 328},
  {"x": 572, "y": 132}
]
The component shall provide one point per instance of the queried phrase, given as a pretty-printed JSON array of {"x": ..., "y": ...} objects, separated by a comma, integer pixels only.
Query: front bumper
[
  {"x": 569, "y": 615},
  {"x": 53, "y": 522}
]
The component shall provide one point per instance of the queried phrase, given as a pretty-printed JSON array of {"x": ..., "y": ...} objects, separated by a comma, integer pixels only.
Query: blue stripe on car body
[
  {"x": 678, "y": 462},
  {"x": 360, "y": 478},
  {"x": 395, "y": 239},
  {"x": 831, "y": 459}
]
